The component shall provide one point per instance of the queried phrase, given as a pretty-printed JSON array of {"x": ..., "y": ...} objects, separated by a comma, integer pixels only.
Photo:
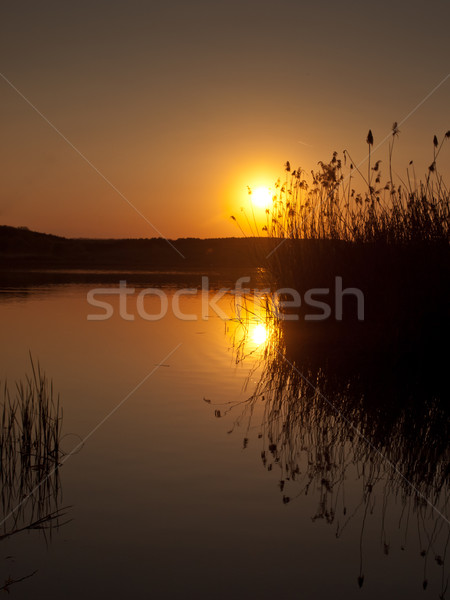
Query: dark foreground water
[{"x": 173, "y": 495}]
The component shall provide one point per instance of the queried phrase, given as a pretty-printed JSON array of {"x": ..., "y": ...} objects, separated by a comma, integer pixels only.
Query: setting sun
[{"x": 261, "y": 197}]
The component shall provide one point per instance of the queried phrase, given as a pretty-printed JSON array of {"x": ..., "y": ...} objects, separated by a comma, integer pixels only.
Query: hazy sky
[{"x": 182, "y": 104}]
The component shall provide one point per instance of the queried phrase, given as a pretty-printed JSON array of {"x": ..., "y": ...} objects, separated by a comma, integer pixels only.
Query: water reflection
[
  {"x": 249, "y": 327},
  {"x": 365, "y": 433},
  {"x": 259, "y": 334}
]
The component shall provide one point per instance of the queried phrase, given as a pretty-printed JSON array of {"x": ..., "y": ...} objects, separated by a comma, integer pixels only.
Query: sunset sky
[{"x": 181, "y": 105}]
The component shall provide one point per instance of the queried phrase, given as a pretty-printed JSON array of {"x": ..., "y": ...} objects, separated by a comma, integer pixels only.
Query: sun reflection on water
[
  {"x": 258, "y": 333},
  {"x": 251, "y": 329}
]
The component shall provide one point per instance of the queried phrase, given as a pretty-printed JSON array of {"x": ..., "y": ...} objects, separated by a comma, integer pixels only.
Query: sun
[{"x": 261, "y": 197}]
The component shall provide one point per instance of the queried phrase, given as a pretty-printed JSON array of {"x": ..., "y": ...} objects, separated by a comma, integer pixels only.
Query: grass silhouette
[
  {"x": 30, "y": 454},
  {"x": 389, "y": 239},
  {"x": 327, "y": 205}
]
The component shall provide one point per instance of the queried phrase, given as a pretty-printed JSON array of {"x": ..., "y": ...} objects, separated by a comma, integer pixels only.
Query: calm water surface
[{"x": 166, "y": 502}]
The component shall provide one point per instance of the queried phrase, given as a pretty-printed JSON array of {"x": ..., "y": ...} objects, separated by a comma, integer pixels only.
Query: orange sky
[{"x": 182, "y": 106}]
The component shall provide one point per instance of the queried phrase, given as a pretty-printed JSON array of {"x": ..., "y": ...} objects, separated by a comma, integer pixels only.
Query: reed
[
  {"x": 390, "y": 240},
  {"x": 30, "y": 457},
  {"x": 337, "y": 212},
  {"x": 327, "y": 205},
  {"x": 30, "y": 453}
]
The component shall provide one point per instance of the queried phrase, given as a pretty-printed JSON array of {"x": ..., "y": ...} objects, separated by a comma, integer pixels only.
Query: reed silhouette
[
  {"x": 390, "y": 240},
  {"x": 338, "y": 202},
  {"x": 30, "y": 455}
]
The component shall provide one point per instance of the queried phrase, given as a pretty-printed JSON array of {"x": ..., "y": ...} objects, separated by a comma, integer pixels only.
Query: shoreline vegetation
[
  {"x": 30, "y": 462},
  {"x": 354, "y": 401},
  {"x": 30, "y": 454},
  {"x": 390, "y": 239}
]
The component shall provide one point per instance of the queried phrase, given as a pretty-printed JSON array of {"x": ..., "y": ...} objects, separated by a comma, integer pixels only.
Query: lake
[{"x": 178, "y": 481}]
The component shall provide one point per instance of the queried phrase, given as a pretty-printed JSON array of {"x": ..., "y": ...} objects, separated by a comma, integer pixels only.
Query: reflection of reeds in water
[
  {"x": 30, "y": 453},
  {"x": 333, "y": 427},
  {"x": 249, "y": 329}
]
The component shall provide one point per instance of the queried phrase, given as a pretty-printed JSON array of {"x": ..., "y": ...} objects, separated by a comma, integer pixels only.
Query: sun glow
[
  {"x": 250, "y": 335},
  {"x": 259, "y": 334},
  {"x": 261, "y": 197}
]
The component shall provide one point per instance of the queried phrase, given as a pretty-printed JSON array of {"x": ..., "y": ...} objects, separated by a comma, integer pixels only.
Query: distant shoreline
[
  {"x": 33, "y": 258},
  {"x": 22, "y": 249}
]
